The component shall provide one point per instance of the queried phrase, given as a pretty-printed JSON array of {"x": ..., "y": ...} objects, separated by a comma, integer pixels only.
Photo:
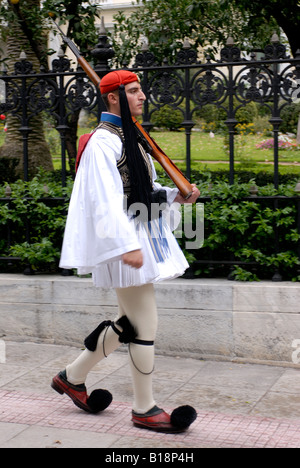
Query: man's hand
[
  {"x": 192, "y": 199},
  {"x": 133, "y": 258}
]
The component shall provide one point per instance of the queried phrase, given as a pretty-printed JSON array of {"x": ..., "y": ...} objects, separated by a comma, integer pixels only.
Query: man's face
[{"x": 135, "y": 98}]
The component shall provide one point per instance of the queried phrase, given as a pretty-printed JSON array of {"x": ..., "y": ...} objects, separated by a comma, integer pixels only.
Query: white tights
[{"x": 139, "y": 305}]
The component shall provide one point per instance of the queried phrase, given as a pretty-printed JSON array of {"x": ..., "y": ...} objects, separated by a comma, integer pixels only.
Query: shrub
[
  {"x": 41, "y": 206},
  {"x": 167, "y": 117},
  {"x": 211, "y": 118},
  {"x": 262, "y": 125},
  {"x": 235, "y": 227},
  {"x": 289, "y": 116},
  {"x": 245, "y": 230},
  {"x": 284, "y": 143},
  {"x": 247, "y": 113}
]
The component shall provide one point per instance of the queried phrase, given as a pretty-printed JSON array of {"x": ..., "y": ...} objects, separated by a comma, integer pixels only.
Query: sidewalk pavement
[{"x": 238, "y": 405}]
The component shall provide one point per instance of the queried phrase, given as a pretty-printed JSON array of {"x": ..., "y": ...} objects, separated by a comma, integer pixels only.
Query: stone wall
[{"x": 203, "y": 318}]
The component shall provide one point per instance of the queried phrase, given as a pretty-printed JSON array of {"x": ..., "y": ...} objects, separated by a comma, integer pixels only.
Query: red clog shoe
[
  {"x": 99, "y": 400},
  {"x": 158, "y": 420}
]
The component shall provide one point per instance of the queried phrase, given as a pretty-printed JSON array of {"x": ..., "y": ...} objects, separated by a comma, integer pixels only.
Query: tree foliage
[
  {"x": 33, "y": 18},
  {"x": 164, "y": 24},
  {"x": 284, "y": 13},
  {"x": 80, "y": 17}
]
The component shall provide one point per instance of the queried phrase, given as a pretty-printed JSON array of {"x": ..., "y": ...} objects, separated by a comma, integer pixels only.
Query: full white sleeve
[{"x": 97, "y": 230}]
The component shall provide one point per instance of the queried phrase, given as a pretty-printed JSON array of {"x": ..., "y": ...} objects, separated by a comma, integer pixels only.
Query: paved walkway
[{"x": 238, "y": 405}]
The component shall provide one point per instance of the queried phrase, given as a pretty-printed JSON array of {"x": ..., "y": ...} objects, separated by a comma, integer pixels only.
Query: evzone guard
[{"x": 113, "y": 232}]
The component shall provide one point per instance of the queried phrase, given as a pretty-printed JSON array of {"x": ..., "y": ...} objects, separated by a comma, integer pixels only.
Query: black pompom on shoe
[
  {"x": 183, "y": 416},
  {"x": 99, "y": 400}
]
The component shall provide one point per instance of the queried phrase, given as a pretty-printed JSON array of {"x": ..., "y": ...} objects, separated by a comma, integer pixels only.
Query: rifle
[{"x": 158, "y": 154}]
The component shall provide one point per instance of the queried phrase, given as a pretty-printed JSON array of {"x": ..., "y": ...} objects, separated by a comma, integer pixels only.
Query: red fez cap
[{"x": 115, "y": 79}]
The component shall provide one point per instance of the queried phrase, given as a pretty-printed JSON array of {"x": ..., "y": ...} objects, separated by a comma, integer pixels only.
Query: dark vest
[{"x": 122, "y": 163}]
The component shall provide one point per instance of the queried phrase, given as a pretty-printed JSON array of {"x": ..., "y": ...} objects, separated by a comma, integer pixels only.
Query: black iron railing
[{"x": 230, "y": 83}]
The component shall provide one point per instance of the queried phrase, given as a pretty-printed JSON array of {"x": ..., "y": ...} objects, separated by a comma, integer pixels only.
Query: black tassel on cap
[{"x": 140, "y": 183}]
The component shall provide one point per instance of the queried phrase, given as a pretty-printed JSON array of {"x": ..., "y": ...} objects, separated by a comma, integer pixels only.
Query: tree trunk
[
  {"x": 71, "y": 140},
  {"x": 38, "y": 150},
  {"x": 298, "y": 130},
  {"x": 291, "y": 28}
]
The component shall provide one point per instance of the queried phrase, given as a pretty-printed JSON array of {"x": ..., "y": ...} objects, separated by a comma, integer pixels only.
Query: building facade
[{"x": 111, "y": 7}]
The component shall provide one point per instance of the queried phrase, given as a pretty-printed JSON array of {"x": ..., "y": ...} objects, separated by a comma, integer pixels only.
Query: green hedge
[
  {"x": 233, "y": 227},
  {"x": 244, "y": 231},
  {"x": 45, "y": 217}
]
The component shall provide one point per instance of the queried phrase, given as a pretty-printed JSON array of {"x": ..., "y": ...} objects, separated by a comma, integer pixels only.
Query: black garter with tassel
[{"x": 127, "y": 334}]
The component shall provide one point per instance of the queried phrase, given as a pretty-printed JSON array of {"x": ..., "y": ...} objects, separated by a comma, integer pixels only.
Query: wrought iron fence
[{"x": 270, "y": 78}]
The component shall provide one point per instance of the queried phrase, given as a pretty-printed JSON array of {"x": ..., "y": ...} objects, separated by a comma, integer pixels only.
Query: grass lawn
[
  {"x": 209, "y": 153},
  {"x": 205, "y": 148}
]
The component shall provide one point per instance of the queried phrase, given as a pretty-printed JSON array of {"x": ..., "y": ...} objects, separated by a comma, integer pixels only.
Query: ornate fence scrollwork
[
  {"x": 186, "y": 85},
  {"x": 166, "y": 88},
  {"x": 253, "y": 84},
  {"x": 12, "y": 97},
  {"x": 42, "y": 96},
  {"x": 80, "y": 94},
  {"x": 209, "y": 87}
]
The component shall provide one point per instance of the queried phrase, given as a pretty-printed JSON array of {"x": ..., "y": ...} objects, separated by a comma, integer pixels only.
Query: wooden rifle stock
[{"x": 167, "y": 164}]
